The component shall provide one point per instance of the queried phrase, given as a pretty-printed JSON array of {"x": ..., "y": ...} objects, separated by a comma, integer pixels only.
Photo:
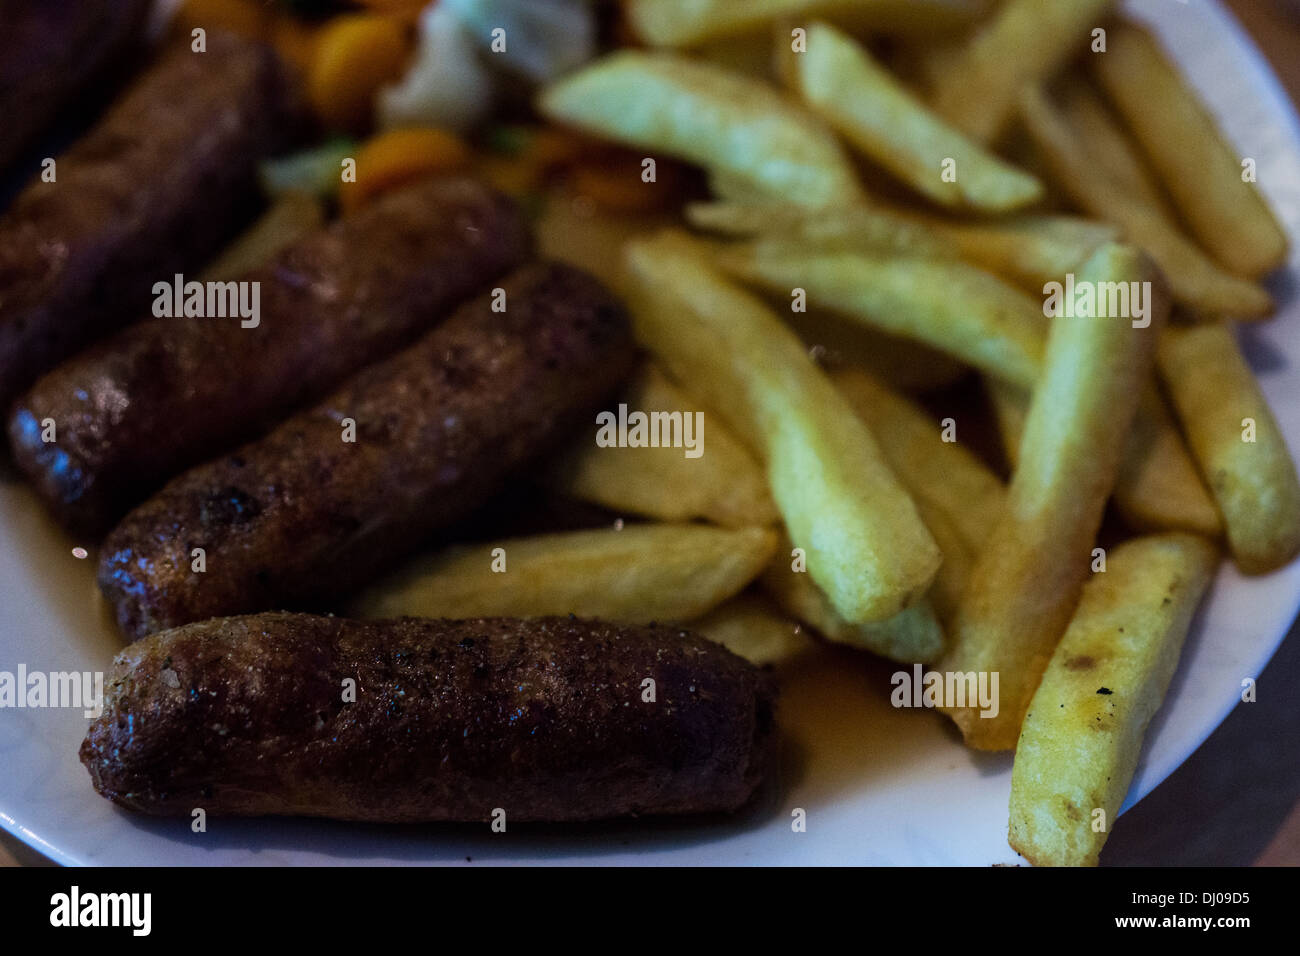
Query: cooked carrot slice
[
  {"x": 401, "y": 156},
  {"x": 355, "y": 56}
]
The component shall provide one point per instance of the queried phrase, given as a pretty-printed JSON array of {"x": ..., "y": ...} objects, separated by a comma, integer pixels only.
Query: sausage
[
  {"x": 166, "y": 176},
  {"x": 545, "y": 719},
  {"x": 50, "y": 53},
  {"x": 167, "y": 393},
  {"x": 302, "y": 516}
]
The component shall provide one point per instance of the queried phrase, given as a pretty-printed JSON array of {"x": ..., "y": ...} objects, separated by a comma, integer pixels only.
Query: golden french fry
[
  {"x": 722, "y": 483},
  {"x": 958, "y": 560},
  {"x": 913, "y": 635},
  {"x": 926, "y": 63},
  {"x": 1237, "y": 443},
  {"x": 748, "y": 53},
  {"x": 1030, "y": 250},
  {"x": 956, "y": 495},
  {"x": 753, "y": 627},
  {"x": 572, "y": 231},
  {"x": 1158, "y": 487},
  {"x": 687, "y": 22},
  {"x": 849, "y": 228},
  {"x": 903, "y": 363},
  {"x": 1200, "y": 169},
  {"x": 1110, "y": 145},
  {"x": 1026, "y": 579},
  {"x": 293, "y": 215},
  {"x": 839, "y": 79},
  {"x": 867, "y": 547},
  {"x": 728, "y": 123},
  {"x": 788, "y": 37},
  {"x": 948, "y": 477},
  {"x": 948, "y": 305},
  {"x": 1108, "y": 676},
  {"x": 1194, "y": 279},
  {"x": 638, "y": 574},
  {"x": 730, "y": 187},
  {"x": 1025, "y": 42}
]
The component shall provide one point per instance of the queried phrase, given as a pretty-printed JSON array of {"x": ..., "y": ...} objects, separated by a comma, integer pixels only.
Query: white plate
[{"x": 880, "y": 786}]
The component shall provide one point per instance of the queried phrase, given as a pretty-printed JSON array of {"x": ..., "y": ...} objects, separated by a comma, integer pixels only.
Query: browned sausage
[
  {"x": 546, "y": 720},
  {"x": 51, "y": 52},
  {"x": 167, "y": 393},
  {"x": 301, "y": 516},
  {"x": 166, "y": 176}
]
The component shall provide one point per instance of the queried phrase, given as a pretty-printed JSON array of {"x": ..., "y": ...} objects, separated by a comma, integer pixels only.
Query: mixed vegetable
[{"x": 405, "y": 88}]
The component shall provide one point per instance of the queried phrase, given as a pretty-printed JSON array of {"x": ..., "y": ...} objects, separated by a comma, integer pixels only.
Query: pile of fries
[{"x": 901, "y": 184}]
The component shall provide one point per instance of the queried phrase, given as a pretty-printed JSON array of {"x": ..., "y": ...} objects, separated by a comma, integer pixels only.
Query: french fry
[
  {"x": 1029, "y": 250},
  {"x": 730, "y": 124},
  {"x": 1094, "y": 123},
  {"x": 1025, "y": 42},
  {"x": 914, "y": 635},
  {"x": 1237, "y": 443},
  {"x": 687, "y": 22},
  {"x": 956, "y": 495},
  {"x": 943, "y": 474},
  {"x": 1200, "y": 169},
  {"x": 958, "y": 560},
  {"x": 724, "y": 484},
  {"x": 925, "y": 64},
  {"x": 903, "y": 363},
  {"x": 1026, "y": 579},
  {"x": 1158, "y": 487},
  {"x": 753, "y": 627},
  {"x": 748, "y": 53},
  {"x": 729, "y": 187},
  {"x": 1108, "y": 676},
  {"x": 290, "y": 217},
  {"x": 948, "y": 305},
  {"x": 841, "y": 81},
  {"x": 832, "y": 338},
  {"x": 866, "y": 545},
  {"x": 591, "y": 238},
  {"x": 635, "y": 575},
  {"x": 1194, "y": 279},
  {"x": 861, "y": 228}
]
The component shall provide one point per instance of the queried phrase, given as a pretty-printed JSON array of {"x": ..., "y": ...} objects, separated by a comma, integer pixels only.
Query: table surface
[{"x": 1236, "y": 801}]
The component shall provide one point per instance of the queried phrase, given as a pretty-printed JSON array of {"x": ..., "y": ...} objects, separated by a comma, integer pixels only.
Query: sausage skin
[
  {"x": 544, "y": 719},
  {"x": 301, "y": 517},
  {"x": 165, "y": 177},
  {"x": 167, "y": 393},
  {"x": 51, "y": 52}
]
